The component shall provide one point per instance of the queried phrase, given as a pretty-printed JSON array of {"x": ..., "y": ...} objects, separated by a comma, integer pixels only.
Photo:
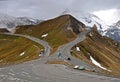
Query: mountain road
[{"x": 38, "y": 71}]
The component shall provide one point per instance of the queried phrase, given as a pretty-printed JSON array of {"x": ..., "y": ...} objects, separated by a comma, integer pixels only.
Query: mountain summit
[
  {"x": 89, "y": 20},
  {"x": 58, "y": 31},
  {"x": 66, "y": 22}
]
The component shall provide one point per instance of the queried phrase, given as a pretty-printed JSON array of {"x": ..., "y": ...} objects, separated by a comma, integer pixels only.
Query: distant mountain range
[
  {"x": 88, "y": 19},
  {"x": 10, "y": 22},
  {"x": 114, "y": 31}
]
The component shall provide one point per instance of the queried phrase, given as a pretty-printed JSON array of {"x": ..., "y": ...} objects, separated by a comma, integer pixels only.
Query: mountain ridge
[
  {"x": 10, "y": 22},
  {"x": 65, "y": 29},
  {"x": 89, "y": 20},
  {"x": 114, "y": 31},
  {"x": 59, "y": 30},
  {"x": 101, "y": 49}
]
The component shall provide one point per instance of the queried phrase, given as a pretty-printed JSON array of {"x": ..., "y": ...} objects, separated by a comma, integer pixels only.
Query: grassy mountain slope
[
  {"x": 60, "y": 30},
  {"x": 104, "y": 50},
  {"x": 12, "y": 46}
]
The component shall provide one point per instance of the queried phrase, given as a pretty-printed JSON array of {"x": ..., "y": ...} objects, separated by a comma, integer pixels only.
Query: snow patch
[
  {"x": 91, "y": 34},
  {"x": 45, "y": 35},
  {"x": 21, "y": 54},
  {"x": 104, "y": 33},
  {"x": 112, "y": 33},
  {"x": 77, "y": 48},
  {"x": 98, "y": 64},
  {"x": 69, "y": 28},
  {"x": 116, "y": 44},
  {"x": 75, "y": 67}
]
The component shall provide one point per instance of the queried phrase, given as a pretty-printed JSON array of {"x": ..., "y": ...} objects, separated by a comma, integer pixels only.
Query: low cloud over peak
[{"x": 50, "y": 8}]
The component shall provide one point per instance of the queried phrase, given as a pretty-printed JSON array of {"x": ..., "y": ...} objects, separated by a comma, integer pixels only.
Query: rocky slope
[
  {"x": 89, "y": 20},
  {"x": 114, "y": 31},
  {"x": 100, "y": 51}
]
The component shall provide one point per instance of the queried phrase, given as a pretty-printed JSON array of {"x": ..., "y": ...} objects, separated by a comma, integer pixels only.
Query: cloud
[
  {"x": 51, "y": 8},
  {"x": 93, "y": 5},
  {"x": 109, "y": 16},
  {"x": 33, "y": 8}
]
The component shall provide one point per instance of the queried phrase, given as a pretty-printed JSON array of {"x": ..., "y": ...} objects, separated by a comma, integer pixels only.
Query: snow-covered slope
[
  {"x": 117, "y": 25},
  {"x": 10, "y": 22},
  {"x": 89, "y": 20},
  {"x": 114, "y": 31}
]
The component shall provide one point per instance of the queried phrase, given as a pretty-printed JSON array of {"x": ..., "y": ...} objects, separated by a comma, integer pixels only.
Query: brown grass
[
  {"x": 102, "y": 49},
  {"x": 11, "y": 47},
  {"x": 57, "y": 29}
]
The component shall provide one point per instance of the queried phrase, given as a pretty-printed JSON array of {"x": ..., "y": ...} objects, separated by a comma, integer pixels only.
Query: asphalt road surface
[
  {"x": 65, "y": 52},
  {"x": 35, "y": 71}
]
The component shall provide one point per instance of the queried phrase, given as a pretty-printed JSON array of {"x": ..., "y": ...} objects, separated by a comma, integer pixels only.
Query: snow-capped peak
[
  {"x": 114, "y": 31},
  {"x": 10, "y": 22},
  {"x": 88, "y": 19},
  {"x": 116, "y": 25},
  {"x": 6, "y": 17}
]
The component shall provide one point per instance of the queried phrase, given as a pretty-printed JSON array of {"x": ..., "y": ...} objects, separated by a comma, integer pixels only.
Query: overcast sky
[{"x": 49, "y": 8}]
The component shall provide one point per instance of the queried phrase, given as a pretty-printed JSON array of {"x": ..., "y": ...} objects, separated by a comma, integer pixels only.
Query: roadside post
[
  {"x": 59, "y": 54},
  {"x": 71, "y": 52}
]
